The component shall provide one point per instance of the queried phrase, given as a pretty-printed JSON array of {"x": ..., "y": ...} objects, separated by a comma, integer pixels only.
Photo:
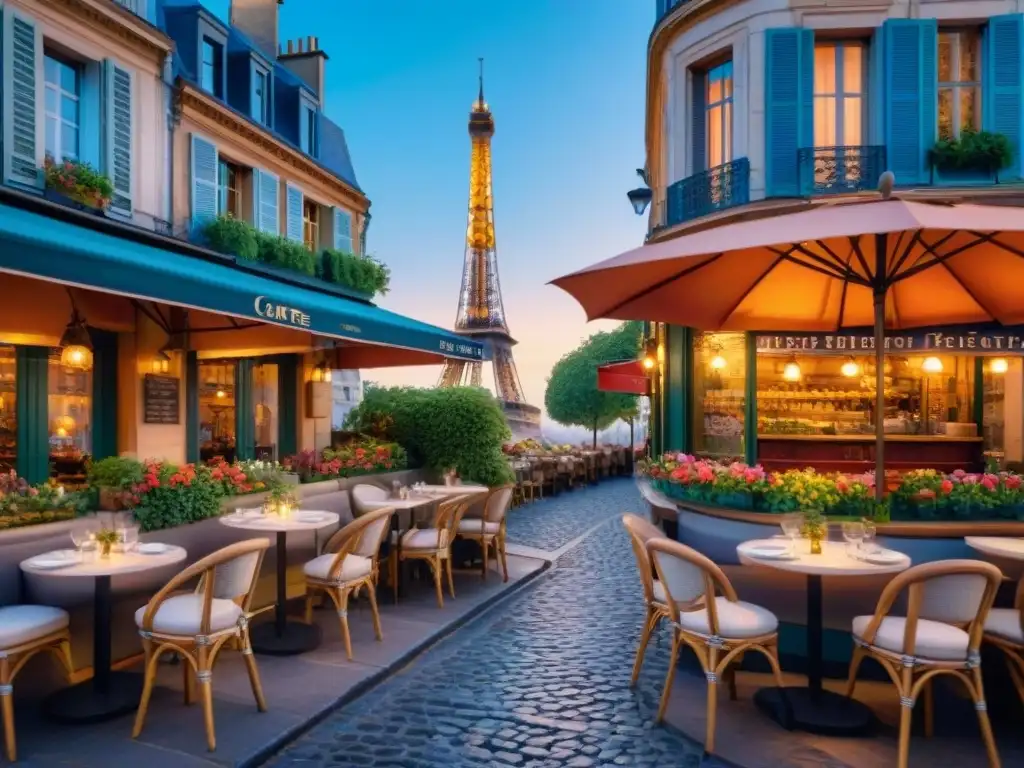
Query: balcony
[
  {"x": 839, "y": 170},
  {"x": 715, "y": 189},
  {"x": 663, "y": 7}
]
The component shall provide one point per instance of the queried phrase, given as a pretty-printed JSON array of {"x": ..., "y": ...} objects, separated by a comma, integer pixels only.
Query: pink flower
[
  {"x": 705, "y": 474},
  {"x": 1012, "y": 481},
  {"x": 990, "y": 482},
  {"x": 959, "y": 473}
]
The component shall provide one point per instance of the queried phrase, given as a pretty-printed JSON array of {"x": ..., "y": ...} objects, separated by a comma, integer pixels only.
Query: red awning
[{"x": 628, "y": 377}]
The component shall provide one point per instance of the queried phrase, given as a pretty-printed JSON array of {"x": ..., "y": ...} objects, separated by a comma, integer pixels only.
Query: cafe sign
[
  {"x": 454, "y": 348},
  {"x": 959, "y": 340},
  {"x": 281, "y": 313}
]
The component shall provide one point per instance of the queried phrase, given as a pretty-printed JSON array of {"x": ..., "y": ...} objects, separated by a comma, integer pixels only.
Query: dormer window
[
  {"x": 212, "y": 73},
  {"x": 260, "y": 94},
  {"x": 307, "y": 129}
]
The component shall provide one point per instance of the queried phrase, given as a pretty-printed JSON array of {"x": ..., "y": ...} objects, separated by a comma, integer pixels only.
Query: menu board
[{"x": 160, "y": 399}]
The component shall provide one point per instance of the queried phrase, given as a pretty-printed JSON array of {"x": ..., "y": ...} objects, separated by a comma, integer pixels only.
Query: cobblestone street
[{"x": 540, "y": 681}]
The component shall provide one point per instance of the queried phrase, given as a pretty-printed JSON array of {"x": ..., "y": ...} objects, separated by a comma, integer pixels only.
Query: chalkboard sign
[{"x": 160, "y": 399}]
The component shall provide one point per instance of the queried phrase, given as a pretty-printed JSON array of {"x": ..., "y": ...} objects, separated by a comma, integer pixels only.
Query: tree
[{"x": 572, "y": 396}]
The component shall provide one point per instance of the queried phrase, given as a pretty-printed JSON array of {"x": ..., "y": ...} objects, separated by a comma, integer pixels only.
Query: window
[
  {"x": 8, "y": 409},
  {"x": 718, "y": 107},
  {"x": 267, "y": 408},
  {"x": 347, "y": 391},
  {"x": 310, "y": 224},
  {"x": 719, "y": 387},
  {"x": 229, "y": 178},
  {"x": 839, "y": 95},
  {"x": 959, "y": 83},
  {"x": 212, "y": 74},
  {"x": 63, "y": 107},
  {"x": 308, "y": 130},
  {"x": 217, "y": 409},
  {"x": 69, "y": 408},
  {"x": 260, "y": 96}
]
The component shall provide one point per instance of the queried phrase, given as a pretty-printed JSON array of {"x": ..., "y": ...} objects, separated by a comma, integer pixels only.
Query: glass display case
[
  {"x": 266, "y": 406},
  {"x": 719, "y": 394}
]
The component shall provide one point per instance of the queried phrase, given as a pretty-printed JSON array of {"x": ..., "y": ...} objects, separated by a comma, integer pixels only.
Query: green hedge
[{"x": 460, "y": 427}]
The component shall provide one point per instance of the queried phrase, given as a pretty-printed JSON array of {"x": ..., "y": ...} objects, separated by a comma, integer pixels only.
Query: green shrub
[
  {"x": 288, "y": 254},
  {"x": 360, "y": 273},
  {"x": 232, "y": 236},
  {"x": 115, "y": 472},
  {"x": 973, "y": 150},
  {"x": 171, "y": 496},
  {"x": 460, "y": 427}
]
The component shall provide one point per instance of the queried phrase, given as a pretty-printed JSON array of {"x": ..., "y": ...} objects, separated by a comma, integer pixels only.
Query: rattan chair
[
  {"x": 198, "y": 625},
  {"x": 947, "y": 605},
  {"x": 26, "y": 630},
  {"x": 1004, "y": 628},
  {"x": 640, "y": 532},
  {"x": 489, "y": 530},
  {"x": 348, "y": 564},
  {"x": 719, "y": 629},
  {"x": 433, "y": 545}
]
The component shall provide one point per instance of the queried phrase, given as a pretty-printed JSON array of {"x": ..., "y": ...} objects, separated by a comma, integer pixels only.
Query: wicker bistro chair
[
  {"x": 198, "y": 625},
  {"x": 947, "y": 605},
  {"x": 433, "y": 544},
  {"x": 347, "y": 565},
  {"x": 719, "y": 629},
  {"x": 640, "y": 532},
  {"x": 364, "y": 492},
  {"x": 1004, "y": 628},
  {"x": 489, "y": 530},
  {"x": 26, "y": 630}
]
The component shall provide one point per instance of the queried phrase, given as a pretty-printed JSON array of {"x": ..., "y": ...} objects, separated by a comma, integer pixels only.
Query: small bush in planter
[
  {"x": 232, "y": 236},
  {"x": 113, "y": 476},
  {"x": 360, "y": 273},
  {"x": 288, "y": 254},
  {"x": 973, "y": 151},
  {"x": 79, "y": 182}
]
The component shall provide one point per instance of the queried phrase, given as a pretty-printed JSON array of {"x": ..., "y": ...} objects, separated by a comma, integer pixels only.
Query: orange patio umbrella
[{"x": 883, "y": 263}]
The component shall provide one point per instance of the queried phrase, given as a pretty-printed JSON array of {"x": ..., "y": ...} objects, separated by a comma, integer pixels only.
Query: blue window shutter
[
  {"x": 911, "y": 97},
  {"x": 265, "y": 202},
  {"x": 343, "y": 230},
  {"x": 293, "y": 201},
  {"x": 788, "y": 108},
  {"x": 204, "y": 181},
  {"x": 698, "y": 120},
  {"x": 117, "y": 134},
  {"x": 23, "y": 138},
  {"x": 1003, "y": 75}
]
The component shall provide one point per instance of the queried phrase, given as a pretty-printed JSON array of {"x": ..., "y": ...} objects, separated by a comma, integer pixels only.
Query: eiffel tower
[{"x": 481, "y": 314}]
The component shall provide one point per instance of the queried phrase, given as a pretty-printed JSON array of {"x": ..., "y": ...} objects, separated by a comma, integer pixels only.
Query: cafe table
[
  {"x": 997, "y": 546},
  {"x": 107, "y": 694},
  {"x": 281, "y": 637},
  {"x": 811, "y": 708}
]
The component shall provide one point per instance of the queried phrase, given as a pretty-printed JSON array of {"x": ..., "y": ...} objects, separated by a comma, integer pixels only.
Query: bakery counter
[{"x": 856, "y": 453}]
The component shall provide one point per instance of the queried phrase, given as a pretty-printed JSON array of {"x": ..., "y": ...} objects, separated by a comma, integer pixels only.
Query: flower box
[{"x": 70, "y": 201}]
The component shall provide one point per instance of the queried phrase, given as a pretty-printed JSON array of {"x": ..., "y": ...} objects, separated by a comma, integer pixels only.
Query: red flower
[{"x": 947, "y": 486}]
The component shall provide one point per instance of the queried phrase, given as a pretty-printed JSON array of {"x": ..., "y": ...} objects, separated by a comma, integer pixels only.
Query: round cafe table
[
  {"x": 811, "y": 707},
  {"x": 997, "y": 546},
  {"x": 282, "y": 637},
  {"x": 107, "y": 694}
]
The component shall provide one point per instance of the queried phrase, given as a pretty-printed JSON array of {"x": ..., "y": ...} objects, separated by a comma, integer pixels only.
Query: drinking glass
[
  {"x": 792, "y": 526},
  {"x": 853, "y": 533},
  {"x": 869, "y": 534}
]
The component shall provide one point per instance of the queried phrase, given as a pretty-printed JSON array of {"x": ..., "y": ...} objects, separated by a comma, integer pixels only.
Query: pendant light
[
  {"x": 999, "y": 365},
  {"x": 932, "y": 365},
  {"x": 850, "y": 368},
  {"x": 718, "y": 362},
  {"x": 791, "y": 371},
  {"x": 75, "y": 344}
]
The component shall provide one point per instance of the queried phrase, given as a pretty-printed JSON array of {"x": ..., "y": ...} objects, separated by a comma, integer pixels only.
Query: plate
[
  {"x": 884, "y": 557},
  {"x": 309, "y": 517},
  {"x": 53, "y": 560},
  {"x": 152, "y": 549},
  {"x": 770, "y": 552}
]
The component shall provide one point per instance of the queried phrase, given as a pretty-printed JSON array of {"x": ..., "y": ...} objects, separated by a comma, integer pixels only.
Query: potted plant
[
  {"x": 77, "y": 184},
  {"x": 114, "y": 477},
  {"x": 976, "y": 156},
  {"x": 105, "y": 539}
]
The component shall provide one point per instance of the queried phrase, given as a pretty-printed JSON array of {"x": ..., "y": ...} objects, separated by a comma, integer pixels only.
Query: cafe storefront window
[
  {"x": 217, "y": 410},
  {"x": 719, "y": 394},
  {"x": 266, "y": 406},
  {"x": 8, "y": 409},
  {"x": 1003, "y": 410},
  {"x": 69, "y": 408}
]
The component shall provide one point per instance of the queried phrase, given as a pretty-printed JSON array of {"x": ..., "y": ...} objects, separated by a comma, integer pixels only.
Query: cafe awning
[
  {"x": 627, "y": 376},
  {"x": 53, "y": 249}
]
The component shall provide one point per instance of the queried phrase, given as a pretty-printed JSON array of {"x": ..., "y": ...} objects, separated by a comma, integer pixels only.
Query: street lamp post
[{"x": 640, "y": 197}]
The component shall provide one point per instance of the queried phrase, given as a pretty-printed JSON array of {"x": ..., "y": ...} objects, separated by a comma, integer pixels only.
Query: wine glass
[
  {"x": 792, "y": 525},
  {"x": 853, "y": 533}
]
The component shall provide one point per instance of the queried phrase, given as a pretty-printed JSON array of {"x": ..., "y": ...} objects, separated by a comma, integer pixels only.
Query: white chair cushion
[
  {"x": 183, "y": 615},
  {"x": 423, "y": 538},
  {"x": 735, "y": 620},
  {"x": 352, "y": 567},
  {"x": 474, "y": 526},
  {"x": 1001, "y": 622},
  {"x": 935, "y": 639},
  {"x": 20, "y": 624},
  {"x": 660, "y": 595}
]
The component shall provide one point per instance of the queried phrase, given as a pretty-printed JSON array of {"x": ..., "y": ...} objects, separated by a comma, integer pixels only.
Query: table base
[
  {"x": 821, "y": 712},
  {"x": 295, "y": 638},
  {"x": 83, "y": 703}
]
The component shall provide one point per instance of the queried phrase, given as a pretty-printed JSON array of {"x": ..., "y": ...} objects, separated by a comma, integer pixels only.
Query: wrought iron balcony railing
[
  {"x": 839, "y": 170},
  {"x": 715, "y": 189}
]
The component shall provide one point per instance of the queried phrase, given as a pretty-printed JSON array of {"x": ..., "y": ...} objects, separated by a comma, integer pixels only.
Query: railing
[
  {"x": 664, "y": 7},
  {"x": 715, "y": 189},
  {"x": 839, "y": 170}
]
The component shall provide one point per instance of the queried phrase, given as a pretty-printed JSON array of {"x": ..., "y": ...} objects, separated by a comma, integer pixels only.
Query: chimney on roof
[
  {"x": 257, "y": 20},
  {"x": 304, "y": 59}
]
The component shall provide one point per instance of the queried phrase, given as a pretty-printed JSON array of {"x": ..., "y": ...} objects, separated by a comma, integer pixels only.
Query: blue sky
[{"x": 565, "y": 81}]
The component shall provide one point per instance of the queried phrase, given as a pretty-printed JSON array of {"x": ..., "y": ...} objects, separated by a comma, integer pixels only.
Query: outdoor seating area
[
  {"x": 541, "y": 470},
  {"x": 208, "y": 616}
]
